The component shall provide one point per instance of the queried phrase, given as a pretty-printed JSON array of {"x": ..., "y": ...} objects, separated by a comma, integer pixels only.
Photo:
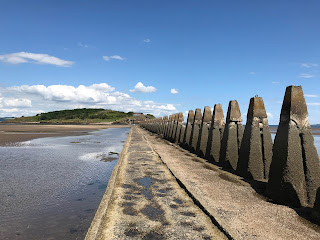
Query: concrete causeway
[
  {"x": 143, "y": 200},
  {"x": 160, "y": 191}
]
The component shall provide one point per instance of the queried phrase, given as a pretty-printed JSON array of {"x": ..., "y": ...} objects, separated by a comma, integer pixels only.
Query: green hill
[{"x": 83, "y": 115}]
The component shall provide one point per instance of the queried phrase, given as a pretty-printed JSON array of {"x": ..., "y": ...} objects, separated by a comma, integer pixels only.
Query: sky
[{"x": 157, "y": 57}]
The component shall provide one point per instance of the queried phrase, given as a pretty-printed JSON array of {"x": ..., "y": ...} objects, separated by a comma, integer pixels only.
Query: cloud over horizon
[
  {"x": 32, "y": 99},
  {"x": 38, "y": 58}
]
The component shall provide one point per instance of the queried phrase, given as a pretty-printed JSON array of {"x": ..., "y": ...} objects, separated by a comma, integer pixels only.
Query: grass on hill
[{"x": 83, "y": 115}]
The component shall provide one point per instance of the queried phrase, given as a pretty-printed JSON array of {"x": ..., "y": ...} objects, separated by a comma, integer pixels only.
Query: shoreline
[{"x": 10, "y": 134}]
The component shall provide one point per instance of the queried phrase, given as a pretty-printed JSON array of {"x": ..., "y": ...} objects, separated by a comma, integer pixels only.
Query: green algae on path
[{"x": 145, "y": 201}]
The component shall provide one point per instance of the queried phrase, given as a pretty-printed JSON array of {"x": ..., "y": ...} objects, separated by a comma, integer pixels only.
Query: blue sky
[{"x": 159, "y": 57}]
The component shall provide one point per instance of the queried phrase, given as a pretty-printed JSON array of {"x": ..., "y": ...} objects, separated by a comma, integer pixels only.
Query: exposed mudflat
[{"x": 10, "y": 134}]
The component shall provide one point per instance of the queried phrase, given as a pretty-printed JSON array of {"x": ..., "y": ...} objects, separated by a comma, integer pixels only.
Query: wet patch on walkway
[{"x": 148, "y": 203}]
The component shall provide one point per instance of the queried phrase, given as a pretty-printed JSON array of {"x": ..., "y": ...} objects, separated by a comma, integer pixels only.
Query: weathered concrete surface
[
  {"x": 232, "y": 136},
  {"x": 256, "y": 146},
  {"x": 195, "y": 130},
  {"x": 204, "y": 132},
  {"x": 239, "y": 210},
  {"x": 215, "y": 134},
  {"x": 144, "y": 201},
  {"x": 295, "y": 170},
  {"x": 179, "y": 126},
  {"x": 187, "y": 134}
]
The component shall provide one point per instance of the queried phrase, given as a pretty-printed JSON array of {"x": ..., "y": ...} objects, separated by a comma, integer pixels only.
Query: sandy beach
[{"x": 13, "y": 133}]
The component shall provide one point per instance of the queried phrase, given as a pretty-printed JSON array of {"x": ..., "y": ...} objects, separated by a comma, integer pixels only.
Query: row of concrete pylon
[{"x": 290, "y": 166}]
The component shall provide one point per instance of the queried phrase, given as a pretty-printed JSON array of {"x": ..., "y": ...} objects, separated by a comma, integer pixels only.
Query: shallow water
[{"x": 50, "y": 188}]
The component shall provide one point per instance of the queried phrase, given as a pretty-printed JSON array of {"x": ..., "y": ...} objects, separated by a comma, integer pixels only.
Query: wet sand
[{"x": 13, "y": 133}]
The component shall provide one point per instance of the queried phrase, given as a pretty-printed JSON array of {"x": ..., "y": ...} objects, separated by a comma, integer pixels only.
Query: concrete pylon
[
  {"x": 232, "y": 136},
  {"x": 204, "y": 132},
  {"x": 175, "y": 127},
  {"x": 295, "y": 169},
  {"x": 168, "y": 127},
  {"x": 215, "y": 134},
  {"x": 165, "y": 124},
  {"x": 179, "y": 126},
  {"x": 187, "y": 134},
  {"x": 195, "y": 130},
  {"x": 256, "y": 146}
]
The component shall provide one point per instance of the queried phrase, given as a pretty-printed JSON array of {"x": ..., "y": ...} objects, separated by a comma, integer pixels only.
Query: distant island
[{"x": 81, "y": 116}]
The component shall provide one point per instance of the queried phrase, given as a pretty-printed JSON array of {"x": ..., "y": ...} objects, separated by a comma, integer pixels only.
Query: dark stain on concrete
[
  {"x": 153, "y": 236},
  {"x": 130, "y": 211},
  {"x": 188, "y": 214},
  {"x": 147, "y": 193},
  {"x": 132, "y": 233},
  {"x": 153, "y": 212},
  {"x": 178, "y": 201}
]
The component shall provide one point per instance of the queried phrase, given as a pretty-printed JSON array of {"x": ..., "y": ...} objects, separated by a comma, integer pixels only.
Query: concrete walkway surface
[
  {"x": 240, "y": 212},
  {"x": 144, "y": 201}
]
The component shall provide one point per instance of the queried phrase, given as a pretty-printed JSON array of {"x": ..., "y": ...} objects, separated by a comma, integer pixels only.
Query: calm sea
[{"x": 50, "y": 188}]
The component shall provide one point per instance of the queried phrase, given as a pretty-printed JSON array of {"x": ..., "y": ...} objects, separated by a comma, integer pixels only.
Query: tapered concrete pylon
[
  {"x": 195, "y": 130},
  {"x": 256, "y": 146},
  {"x": 179, "y": 126},
  {"x": 168, "y": 127},
  {"x": 187, "y": 134},
  {"x": 175, "y": 126},
  {"x": 165, "y": 120},
  {"x": 295, "y": 170},
  {"x": 204, "y": 132},
  {"x": 232, "y": 136},
  {"x": 215, "y": 134}
]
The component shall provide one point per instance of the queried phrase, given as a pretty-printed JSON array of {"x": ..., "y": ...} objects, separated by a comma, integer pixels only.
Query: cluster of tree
[{"x": 83, "y": 113}]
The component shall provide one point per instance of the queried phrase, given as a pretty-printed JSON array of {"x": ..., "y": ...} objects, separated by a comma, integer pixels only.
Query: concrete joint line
[{"x": 194, "y": 199}]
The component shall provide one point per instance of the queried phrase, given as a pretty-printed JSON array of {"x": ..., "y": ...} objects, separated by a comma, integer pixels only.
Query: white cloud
[
  {"x": 306, "y": 75},
  {"x": 39, "y": 58},
  {"x": 252, "y": 73},
  {"x": 313, "y": 104},
  {"x": 174, "y": 91},
  {"x": 276, "y": 83},
  {"x": 80, "y": 44},
  {"x": 117, "y": 57},
  {"x": 270, "y": 115},
  {"x": 32, "y": 99},
  {"x": 147, "y": 40},
  {"x": 311, "y": 95},
  {"x": 139, "y": 87},
  {"x": 308, "y": 65}
]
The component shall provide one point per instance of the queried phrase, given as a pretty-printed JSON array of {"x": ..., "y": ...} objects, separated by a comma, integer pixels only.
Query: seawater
[{"x": 50, "y": 188}]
